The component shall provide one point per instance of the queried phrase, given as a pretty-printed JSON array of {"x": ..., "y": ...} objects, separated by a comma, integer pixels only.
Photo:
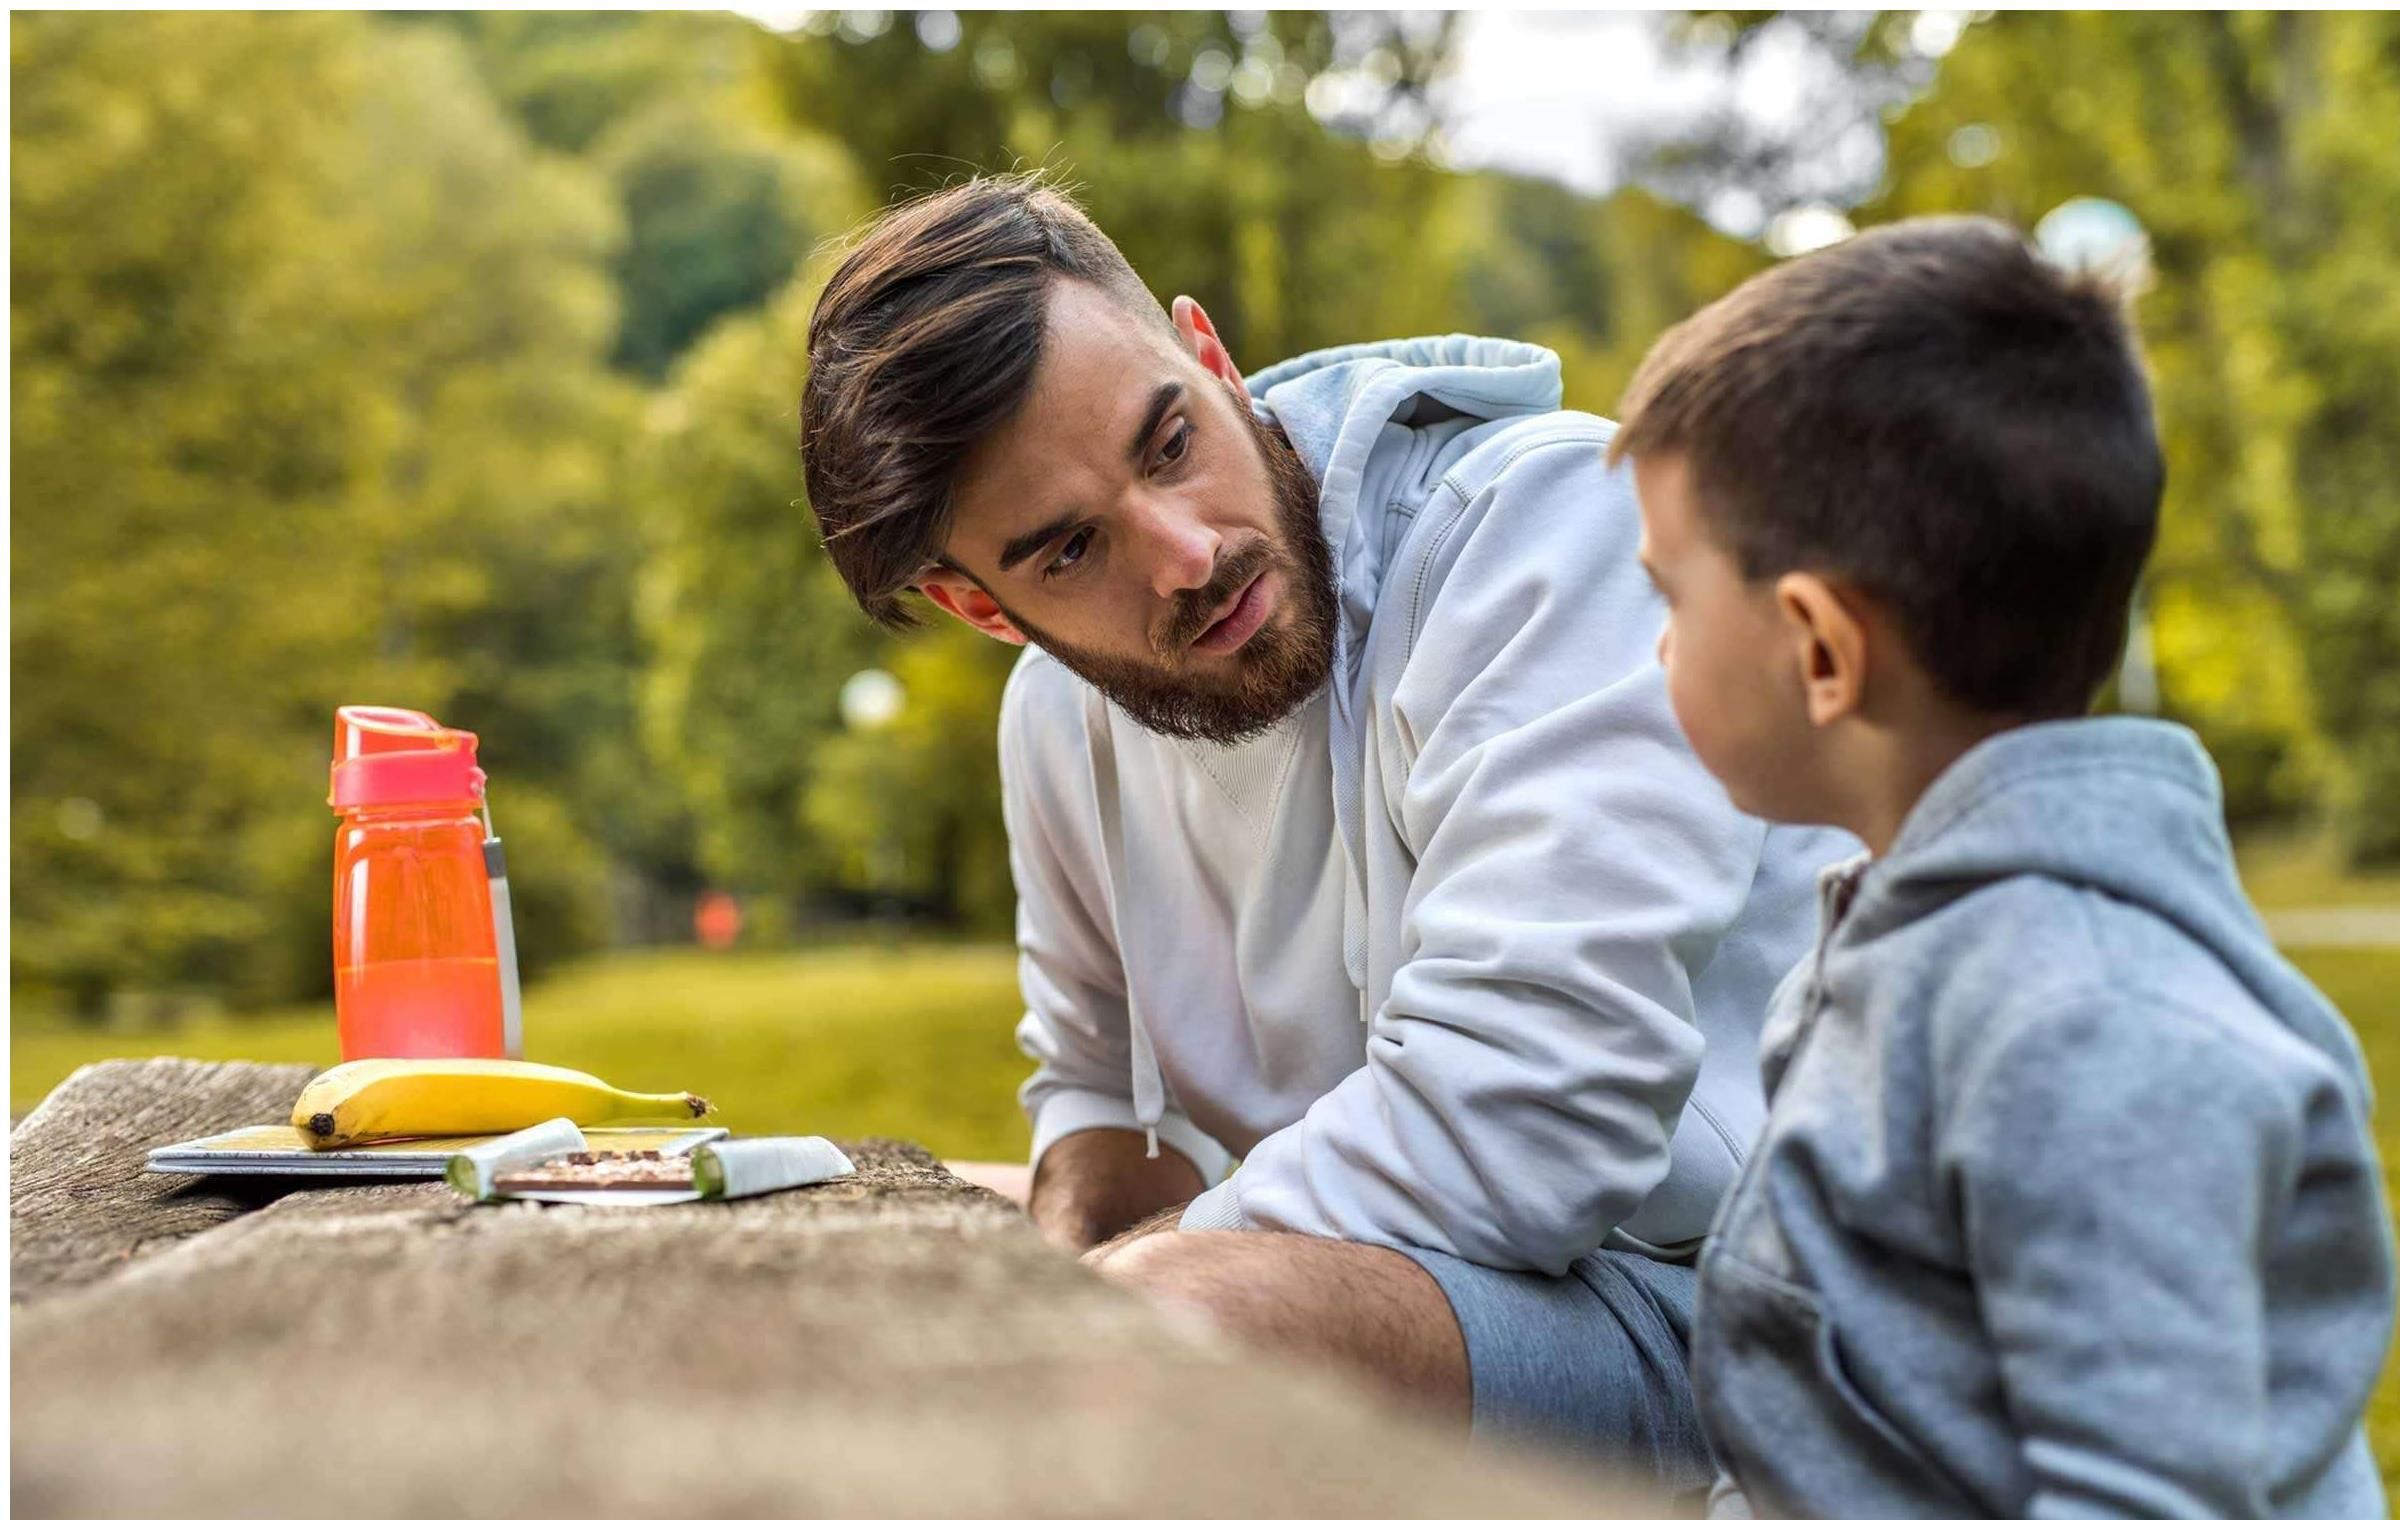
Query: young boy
[{"x": 2066, "y": 1203}]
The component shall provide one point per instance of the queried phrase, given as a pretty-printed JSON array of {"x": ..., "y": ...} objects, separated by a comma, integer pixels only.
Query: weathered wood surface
[
  {"x": 896, "y": 1344},
  {"x": 79, "y": 1203}
]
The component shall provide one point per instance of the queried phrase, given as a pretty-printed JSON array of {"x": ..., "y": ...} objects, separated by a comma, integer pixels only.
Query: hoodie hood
[
  {"x": 1377, "y": 425},
  {"x": 2129, "y": 807},
  {"x": 1339, "y": 407}
]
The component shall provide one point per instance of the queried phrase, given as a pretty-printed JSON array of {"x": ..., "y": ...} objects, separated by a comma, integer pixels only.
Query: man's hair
[
  {"x": 926, "y": 340},
  {"x": 1934, "y": 414}
]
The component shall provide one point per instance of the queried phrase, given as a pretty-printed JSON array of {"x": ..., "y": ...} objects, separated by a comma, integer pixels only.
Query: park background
[{"x": 452, "y": 361}]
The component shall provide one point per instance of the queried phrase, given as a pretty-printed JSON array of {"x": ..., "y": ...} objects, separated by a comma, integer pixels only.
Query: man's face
[
  {"x": 1728, "y": 651},
  {"x": 1136, "y": 520}
]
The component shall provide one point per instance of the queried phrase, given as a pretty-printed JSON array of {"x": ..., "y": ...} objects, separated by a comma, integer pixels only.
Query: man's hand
[{"x": 1096, "y": 1183}]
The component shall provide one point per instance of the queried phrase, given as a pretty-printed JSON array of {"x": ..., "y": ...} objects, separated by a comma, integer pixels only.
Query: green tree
[
  {"x": 717, "y": 204},
  {"x": 2256, "y": 150},
  {"x": 750, "y": 630},
  {"x": 718, "y": 212},
  {"x": 307, "y": 397}
]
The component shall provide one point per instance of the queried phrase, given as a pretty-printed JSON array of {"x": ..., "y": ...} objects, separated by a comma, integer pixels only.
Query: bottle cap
[{"x": 393, "y": 757}]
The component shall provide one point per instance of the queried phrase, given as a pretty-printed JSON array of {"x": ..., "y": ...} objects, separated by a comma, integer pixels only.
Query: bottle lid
[{"x": 393, "y": 757}]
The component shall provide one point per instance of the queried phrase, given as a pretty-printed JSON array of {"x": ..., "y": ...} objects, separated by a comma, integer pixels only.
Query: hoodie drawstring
[{"x": 1149, "y": 1083}]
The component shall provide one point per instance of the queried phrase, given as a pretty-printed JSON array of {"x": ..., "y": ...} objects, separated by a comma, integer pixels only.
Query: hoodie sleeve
[
  {"x": 1075, "y": 1026},
  {"x": 2125, "y": 1176},
  {"x": 1575, "y": 867}
]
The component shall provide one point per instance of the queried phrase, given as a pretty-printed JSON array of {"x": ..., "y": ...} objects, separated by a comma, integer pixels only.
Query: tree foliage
[
  {"x": 306, "y": 399},
  {"x": 453, "y": 360},
  {"x": 2257, "y": 151}
]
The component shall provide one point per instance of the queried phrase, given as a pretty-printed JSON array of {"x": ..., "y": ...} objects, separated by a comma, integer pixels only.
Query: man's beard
[{"x": 1281, "y": 666}]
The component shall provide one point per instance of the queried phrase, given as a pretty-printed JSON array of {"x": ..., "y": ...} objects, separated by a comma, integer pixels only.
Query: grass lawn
[{"x": 917, "y": 1042}]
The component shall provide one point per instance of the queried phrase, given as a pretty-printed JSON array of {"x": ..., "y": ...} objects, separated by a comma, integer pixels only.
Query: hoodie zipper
[{"x": 1837, "y": 890}]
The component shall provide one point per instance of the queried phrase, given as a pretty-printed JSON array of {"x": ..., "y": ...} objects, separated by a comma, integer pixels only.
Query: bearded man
[{"x": 1353, "y": 837}]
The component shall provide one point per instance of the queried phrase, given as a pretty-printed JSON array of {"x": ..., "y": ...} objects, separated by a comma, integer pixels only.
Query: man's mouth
[{"x": 1242, "y": 616}]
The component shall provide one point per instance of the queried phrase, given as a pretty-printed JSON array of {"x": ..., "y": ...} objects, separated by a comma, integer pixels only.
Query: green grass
[
  {"x": 914, "y": 1042},
  {"x": 2302, "y": 871}
]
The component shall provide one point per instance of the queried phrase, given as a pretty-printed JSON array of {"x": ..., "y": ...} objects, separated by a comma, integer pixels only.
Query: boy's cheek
[
  {"x": 1690, "y": 708},
  {"x": 1698, "y": 705}
]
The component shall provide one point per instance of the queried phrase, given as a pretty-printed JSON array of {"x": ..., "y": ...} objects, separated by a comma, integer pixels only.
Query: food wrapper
[
  {"x": 472, "y": 1170},
  {"x": 745, "y": 1168}
]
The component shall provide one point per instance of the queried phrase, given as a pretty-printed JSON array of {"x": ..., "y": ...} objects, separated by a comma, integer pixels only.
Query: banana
[{"x": 359, "y": 1101}]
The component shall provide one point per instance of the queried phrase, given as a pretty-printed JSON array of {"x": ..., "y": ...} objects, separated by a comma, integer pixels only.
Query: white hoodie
[{"x": 1469, "y": 953}]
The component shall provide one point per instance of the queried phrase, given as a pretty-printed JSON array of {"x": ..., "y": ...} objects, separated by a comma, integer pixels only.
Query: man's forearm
[{"x": 1097, "y": 1182}]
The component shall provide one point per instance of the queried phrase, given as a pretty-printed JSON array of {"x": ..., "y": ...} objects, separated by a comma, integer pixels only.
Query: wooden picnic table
[{"x": 899, "y": 1343}]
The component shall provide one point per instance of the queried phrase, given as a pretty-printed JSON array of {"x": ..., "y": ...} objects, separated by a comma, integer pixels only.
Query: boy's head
[
  {"x": 1000, "y": 416},
  {"x": 1906, "y": 483}
]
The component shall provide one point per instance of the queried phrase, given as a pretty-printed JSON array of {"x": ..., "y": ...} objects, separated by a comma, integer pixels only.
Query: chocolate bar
[{"x": 600, "y": 1171}]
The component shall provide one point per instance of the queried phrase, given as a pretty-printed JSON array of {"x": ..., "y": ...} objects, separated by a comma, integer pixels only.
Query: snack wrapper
[
  {"x": 745, "y": 1168},
  {"x": 471, "y": 1171}
]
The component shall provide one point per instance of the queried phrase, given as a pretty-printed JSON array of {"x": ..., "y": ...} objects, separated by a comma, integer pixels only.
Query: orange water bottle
[{"x": 423, "y": 958}]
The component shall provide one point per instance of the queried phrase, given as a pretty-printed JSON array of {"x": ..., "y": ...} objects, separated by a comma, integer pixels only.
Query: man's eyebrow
[
  {"x": 1017, "y": 550},
  {"x": 1168, "y": 393}
]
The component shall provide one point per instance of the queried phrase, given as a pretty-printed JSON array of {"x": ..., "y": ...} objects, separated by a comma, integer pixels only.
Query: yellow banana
[{"x": 359, "y": 1101}]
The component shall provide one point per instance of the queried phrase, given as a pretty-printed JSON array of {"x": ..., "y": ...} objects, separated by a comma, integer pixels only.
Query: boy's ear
[
  {"x": 1200, "y": 336},
  {"x": 1829, "y": 642},
  {"x": 970, "y": 604}
]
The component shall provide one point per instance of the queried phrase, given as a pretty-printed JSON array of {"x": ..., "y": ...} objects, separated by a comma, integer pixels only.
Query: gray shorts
[{"x": 1599, "y": 1360}]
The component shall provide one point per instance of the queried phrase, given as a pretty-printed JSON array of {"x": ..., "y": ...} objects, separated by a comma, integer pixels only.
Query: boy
[{"x": 2066, "y": 1202}]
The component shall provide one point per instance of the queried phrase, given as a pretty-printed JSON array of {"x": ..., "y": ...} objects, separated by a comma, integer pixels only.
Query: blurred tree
[
  {"x": 306, "y": 377},
  {"x": 1199, "y": 139},
  {"x": 718, "y": 206},
  {"x": 752, "y": 633},
  {"x": 1836, "y": 76},
  {"x": 1596, "y": 280},
  {"x": 2257, "y": 151},
  {"x": 718, "y": 211},
  {"x": 569, "y": 77},
  {"x": 911, "y": 810}
]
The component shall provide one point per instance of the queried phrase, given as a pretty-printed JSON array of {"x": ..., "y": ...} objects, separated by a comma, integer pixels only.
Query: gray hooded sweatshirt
[{"x": 2066, "y": 1203}]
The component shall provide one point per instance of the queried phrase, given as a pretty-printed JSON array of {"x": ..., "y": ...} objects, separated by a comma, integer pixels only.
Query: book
[{"x": 278, "y": 1150}]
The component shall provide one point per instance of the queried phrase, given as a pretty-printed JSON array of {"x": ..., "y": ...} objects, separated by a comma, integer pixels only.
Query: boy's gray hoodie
[{"x": 2066, "y": 1203}]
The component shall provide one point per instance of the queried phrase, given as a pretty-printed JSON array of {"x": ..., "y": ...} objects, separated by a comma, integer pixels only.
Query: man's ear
[
  {"x": 1829, "y": 643},
  {"x": 1200, "y": 336},
  {"x": 959, "y": 596}
]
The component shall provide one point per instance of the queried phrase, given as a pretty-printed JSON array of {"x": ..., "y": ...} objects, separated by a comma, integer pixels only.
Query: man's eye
[
  {"x": 1070, "y": 553},
  {"x": 1177, "y": 445}
]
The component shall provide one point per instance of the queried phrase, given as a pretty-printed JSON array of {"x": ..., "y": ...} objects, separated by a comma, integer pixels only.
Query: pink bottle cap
[{"x": 393, "y": 757}]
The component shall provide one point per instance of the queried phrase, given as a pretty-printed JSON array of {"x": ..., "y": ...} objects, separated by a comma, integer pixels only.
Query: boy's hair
[
  {"x": 1932, "y": 413},
  {"x": 925, "y": 340}
]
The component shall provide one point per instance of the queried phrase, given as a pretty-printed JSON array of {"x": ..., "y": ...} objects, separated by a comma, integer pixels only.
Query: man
[{"x": 1352, "y": 833}]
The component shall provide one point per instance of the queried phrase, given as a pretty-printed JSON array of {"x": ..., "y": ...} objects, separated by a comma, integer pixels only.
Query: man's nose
[{"x": 1180, "y": 552}]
